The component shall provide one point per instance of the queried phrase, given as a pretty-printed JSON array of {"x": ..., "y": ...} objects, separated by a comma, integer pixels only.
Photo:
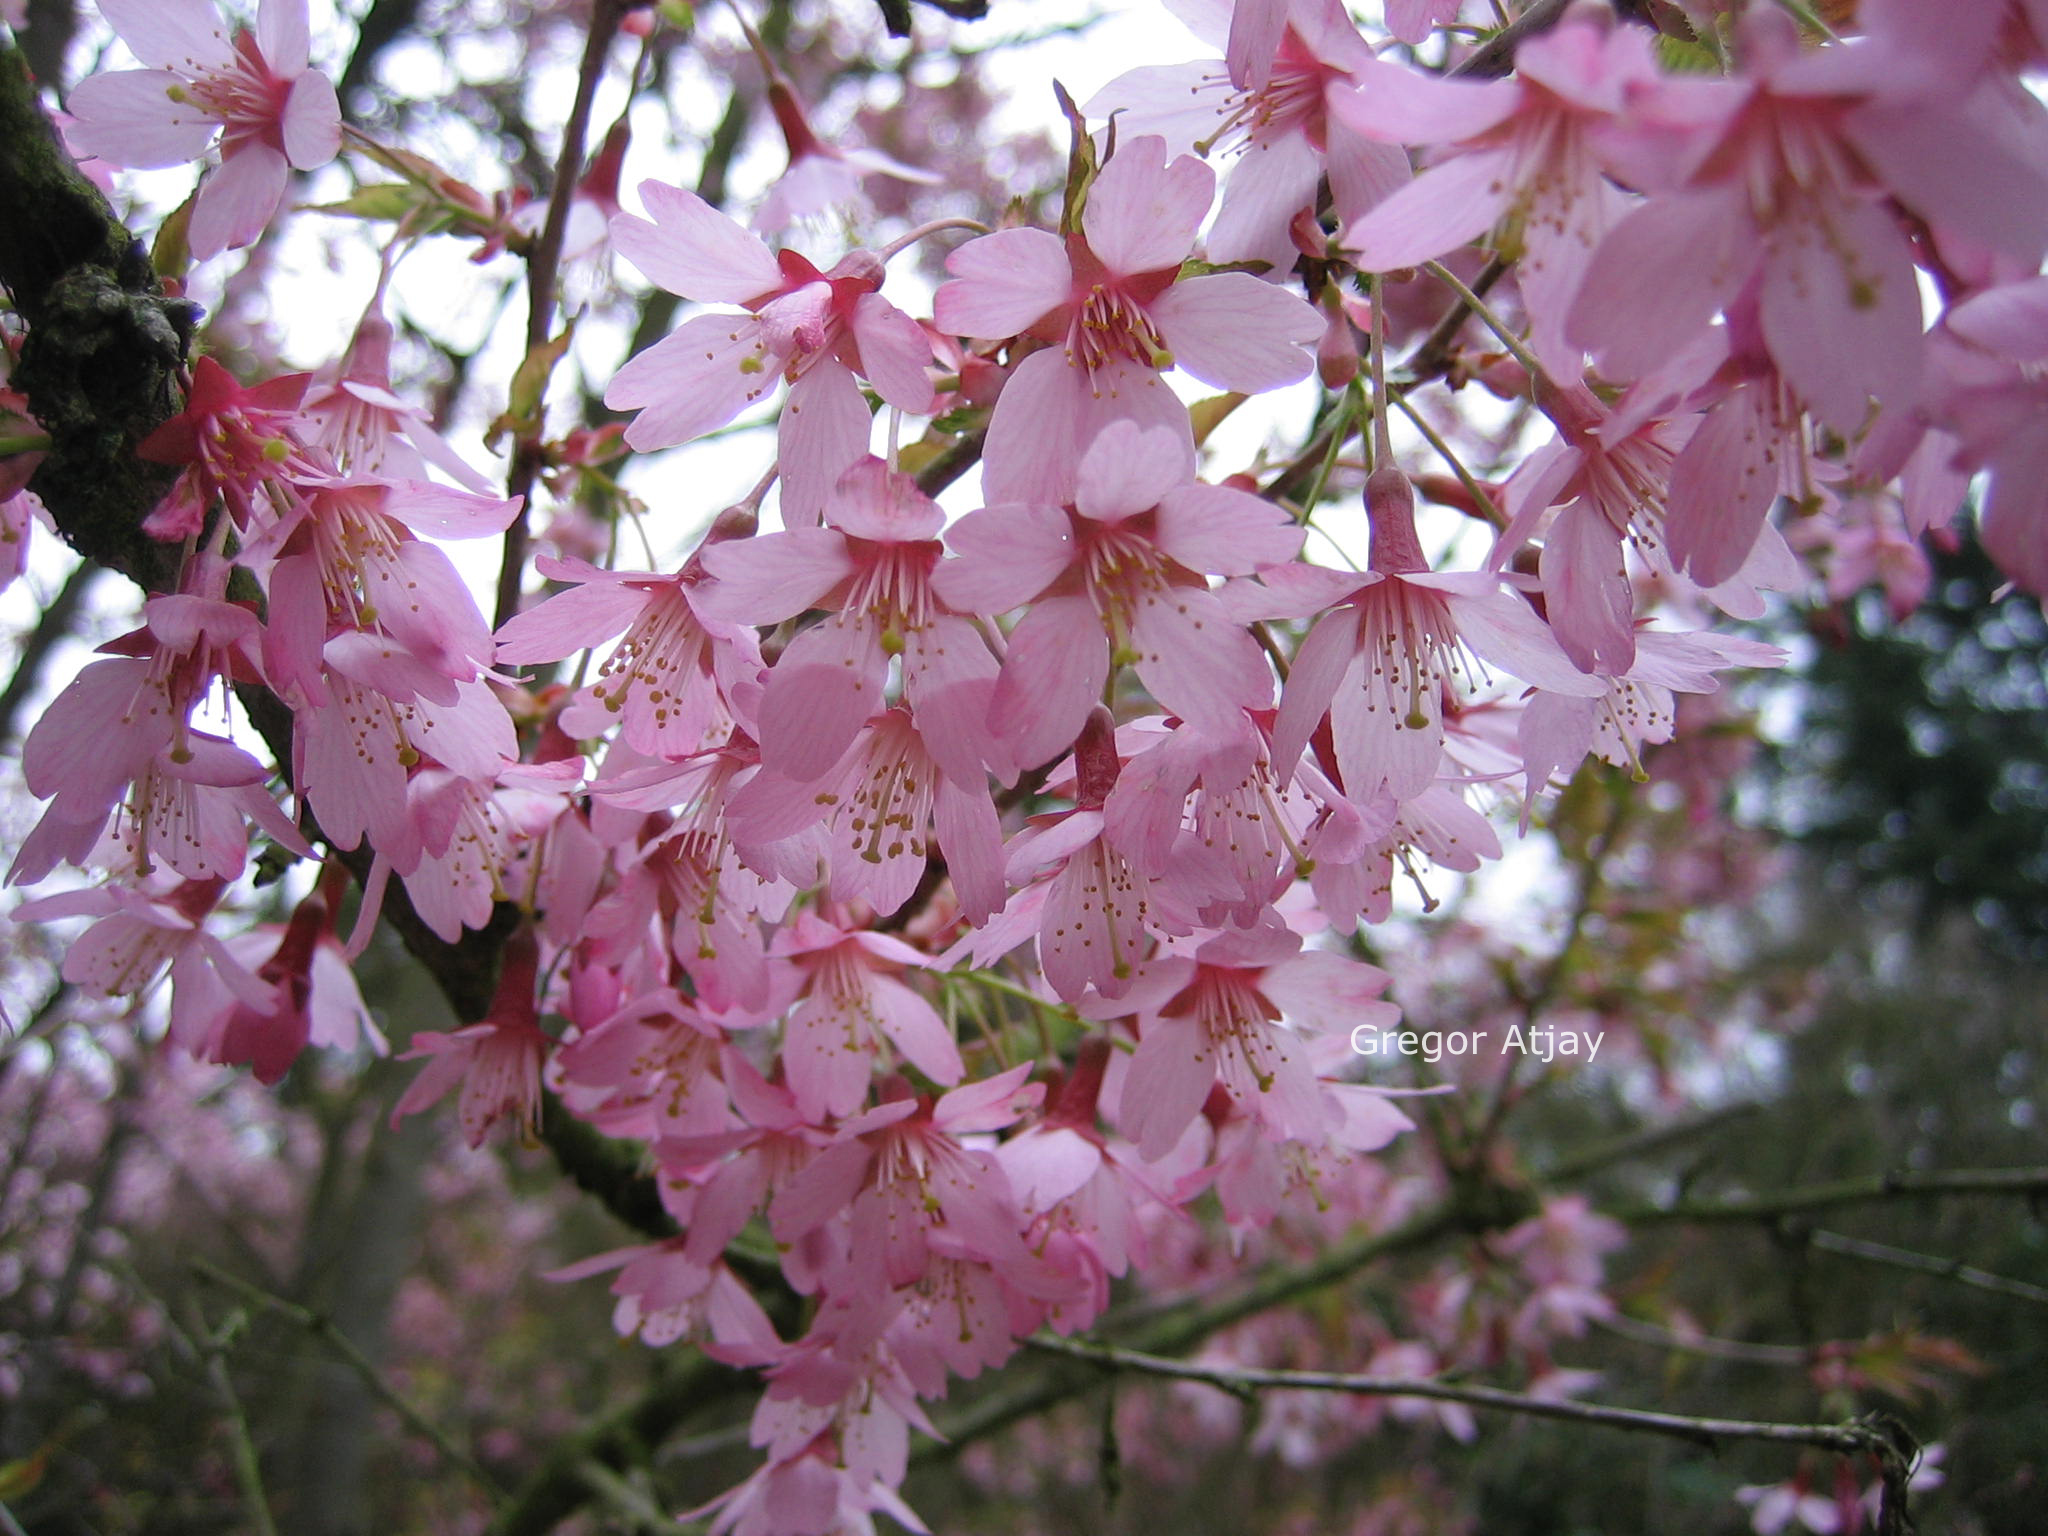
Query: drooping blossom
[
  {"x": 1522, "y": 158},
  {"x": 885, "y": 807},
  {"x": 675, "y": 677},
  {"x": 822, "y": 177},
  {"x": 872, "y": 568},
  {"x": 496, "y": 1063},
  {"x": 1381, "y": 659},
  {"x": 1216, "y": 1017},
  {"x": 274, "y": 114},
  {"x": 1116, "y": 579},
  {"x": 817, "y": 329},
  {"x": 1779, "y": 173},
  {"x": 1283, "y": 134},
  {"x": 851, "y": 1000},
  {"x": 369, "y": 430},
  {"x": 1115, "y": 312}
]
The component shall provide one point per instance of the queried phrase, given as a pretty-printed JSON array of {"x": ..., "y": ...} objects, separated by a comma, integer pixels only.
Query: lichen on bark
[{"x": 102, "y": 343}]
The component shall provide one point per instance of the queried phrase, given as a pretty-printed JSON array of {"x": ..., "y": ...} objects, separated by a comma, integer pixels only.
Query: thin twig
[
  {"x": 365, "y": 1369},
  {"x": 1500, "y": 328},
  {"x": 542, "y": 272},
  {"x": 1496, "y": 56},
  {"x": 1705, "y": 1344},
  {"x": 248, "y": 1469},
  {"x": 1850, "y": 1438},
  {"x": 1926, "y": 1264},
  {"x": 1869, "y": 1190}
]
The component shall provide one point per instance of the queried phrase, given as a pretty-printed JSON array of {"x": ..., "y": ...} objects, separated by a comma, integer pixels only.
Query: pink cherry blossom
[
  {"x": 1381, "y": 665},
  {"x": 274, "y": 114},
  {"x": 1523, "y": 158},
  {"x": 1284, "y": 134},
  {"x": 851, "y": 1001},
  {"x": 815, "y": 328},
  {"x": 1112, "y": 305},
  {"x": 1117, "y": 580},
  {"x": 1778, "y": 174},
  {"x": 496, "y": 1063},
  {"x": 1216, "y": 1018},
  {"x": 674, "y": 679},
  {"x": 872, "y": 569}
]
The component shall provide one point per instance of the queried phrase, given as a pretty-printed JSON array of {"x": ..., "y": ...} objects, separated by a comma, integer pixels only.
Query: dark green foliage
[{"x": 1922, "y": 761}]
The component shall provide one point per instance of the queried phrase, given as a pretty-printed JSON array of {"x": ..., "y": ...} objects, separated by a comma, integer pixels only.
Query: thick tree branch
[{"x": 103, "y": 346}]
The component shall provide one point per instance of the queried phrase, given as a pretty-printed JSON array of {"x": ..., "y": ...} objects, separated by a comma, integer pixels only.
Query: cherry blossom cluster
[{"x": 944, "y": 894}]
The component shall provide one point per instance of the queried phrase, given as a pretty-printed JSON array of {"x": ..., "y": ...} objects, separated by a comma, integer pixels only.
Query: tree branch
[
  {"x": 1878, "y": 1438},
  {"x": 1870, "y": 1189},
  {"x": 103, "y": 347},
  {"x": 321, "y": 1328},
  {"x": 1926, "y": 1264},
  {"x": 543, "y": 268}
]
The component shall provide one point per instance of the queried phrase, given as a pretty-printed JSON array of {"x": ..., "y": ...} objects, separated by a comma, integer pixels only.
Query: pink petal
[
  {"x": 1400, "y": 105},
  {"x": 1274, "y": 179},
  {"x": 1841, "y": 312},
  {"x": 1363, "y": 172},
  {"x": 1007, "y": 556},
  {"x": 949, "y": 677},
  {"x": 443, "y": 512},
  {"x": 1312, "y": 681},
  {"x": 1585, "y": 583},
  {"x": 312, "y": 122},
  {"x": 1445, "y": 207},
  {"x": 2011, "y": 321},
  {"x": 1256, "y": 30},
  {"x": 1722, "y": 485},
  {"x": 237, "y": 200},
  {"x": 1326, "y": 990},
  {"x": 1233, "y": 331},
  {"x": 284, "y": 36},
  {"x": 1180, "y": 103},
  {"x": 825, "y": 1187},
  {"x": 894, "y": 353},
  {"x": 773, "y": 576},
  {"x": 971, "y": 838},
  {"x": 1169, "y": 1078},
  {"x": 1050, "y": 411},
  {"x": 473, "y": 737},
  {"x": 693, "y": 250},
  {"x": 1196, "y": 662},
  {"x": 1127, "y": 470},
  {"x": 821, "y": 692},
  {"x": 1220, "y": 531},
  {"x": 823, "y": 433},
  {"x": 1058, "y": 661},
  {"x": 873, "y": 501},
  {"x": 130, "y": 119},
  {"x": 1501, "y": 629},
  {"x": 1004, "y": 284},
  {"x": 691, "y": 381},
  {"x": 1142, "y": 212},
  {"x": 187, "y": 35},
  {"x": 916, "y": 1030},
  {"x": 1661, "y": 276},
  {"x": 1945, "y": 164}
]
